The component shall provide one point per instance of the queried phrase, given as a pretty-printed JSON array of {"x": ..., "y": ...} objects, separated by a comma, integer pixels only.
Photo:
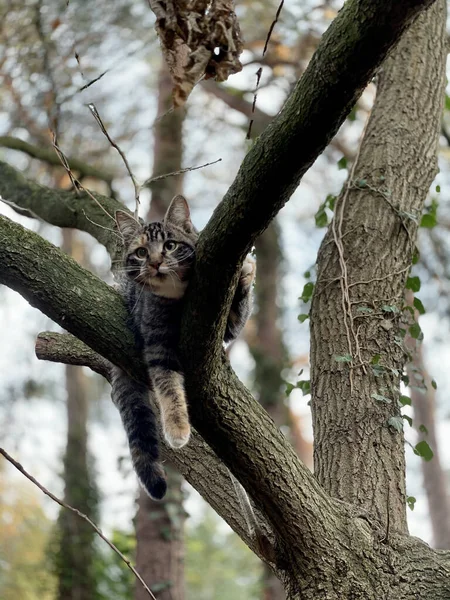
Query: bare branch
[
  {"x": 114, "y": 144},
  {"x": 19, "y": 467},
  {"x": 196, "y": 462},
  {"x": 48, "y": 156}
]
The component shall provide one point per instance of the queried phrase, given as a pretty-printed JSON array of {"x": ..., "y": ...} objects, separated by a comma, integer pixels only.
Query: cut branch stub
[{"x": 198, "y": 41}]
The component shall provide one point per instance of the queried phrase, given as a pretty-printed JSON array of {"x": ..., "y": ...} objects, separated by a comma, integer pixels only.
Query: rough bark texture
[
  {"x": 362, "y": 269},
  {"x": 61, "y": 208},
  {"x": 325, "y": 549}
]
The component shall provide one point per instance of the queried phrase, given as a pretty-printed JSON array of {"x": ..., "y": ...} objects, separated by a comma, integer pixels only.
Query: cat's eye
[
  {"x": 170, "y": 246},
  {"x": 141, "y": 252}
]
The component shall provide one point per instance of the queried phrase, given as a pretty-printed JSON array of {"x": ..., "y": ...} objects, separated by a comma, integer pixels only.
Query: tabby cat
[{"x": 158, "y": 260}]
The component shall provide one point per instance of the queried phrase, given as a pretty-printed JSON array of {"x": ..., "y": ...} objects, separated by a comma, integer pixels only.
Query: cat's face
[{"x": 160, "y": 255}]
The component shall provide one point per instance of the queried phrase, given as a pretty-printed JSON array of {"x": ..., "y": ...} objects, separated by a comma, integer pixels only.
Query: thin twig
[
  {"x": 137, "y": 188},
  {"x": 259, "y": 71},
  {"x": 75, "y": 182},
  {"x": 180, "y": 172},
  {"x": 19, "y": 467}
]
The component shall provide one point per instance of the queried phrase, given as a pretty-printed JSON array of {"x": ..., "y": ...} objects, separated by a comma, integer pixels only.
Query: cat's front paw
[
  {"x": 177, "y": 433},
  {"x": 248, "y": 272}
]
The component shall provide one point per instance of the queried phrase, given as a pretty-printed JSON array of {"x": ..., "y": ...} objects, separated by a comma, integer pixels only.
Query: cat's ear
[
  {"x": 179, "y": 214},
  {"x": 127, "y": 225}
]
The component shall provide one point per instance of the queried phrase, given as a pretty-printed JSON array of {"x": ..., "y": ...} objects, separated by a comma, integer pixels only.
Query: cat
[{"x": 158, "y": 260}]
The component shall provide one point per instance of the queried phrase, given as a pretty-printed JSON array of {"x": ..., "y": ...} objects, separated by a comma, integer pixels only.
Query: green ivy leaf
[
  {"x": 321, "y": 217},
  {"x": 423, "y": 429},
  {"x": 405, "y": 400},
  {"x": 389, "y": 308},
  {"x": 302, "y": 318},
  {"x": 342, "y": 163},
  {"x": 378, "y": 370},
  {"x": 419, "y": 306},
  {"x": 307, "y": 274},
  {"x": 364, "y": 309},
  {"x": 396, "y": 423},
  {"x": 438, "y": 188},
  {"x": 423, "y": 449},
  {"x": 305, "y": 386},
  {"x": 410, "y": 500},
  {"x": 434, "y": 384},
  {"x": 410, "y": 421},
  {"x": 307, "y": 292},
  {"x": 415, "y": 331},
  {"x": 428, "y": 221},
  {"x": 380, "y": 398},
  {"x": 375, "y": 359},
  {"x": 416, "y": 256},
  {"x": 289, "y": 388},
  {"x": 343, "y": 358},
  {"x": 330, "y": 201},
  {"x": 413, "y": 283}
]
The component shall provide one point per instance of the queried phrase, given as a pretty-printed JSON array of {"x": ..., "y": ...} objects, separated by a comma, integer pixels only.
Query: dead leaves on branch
[{"x": 198, "y": 38}]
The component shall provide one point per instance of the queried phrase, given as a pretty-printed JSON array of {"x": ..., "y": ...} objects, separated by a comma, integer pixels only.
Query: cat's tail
[{"x": 139, "y": 421}]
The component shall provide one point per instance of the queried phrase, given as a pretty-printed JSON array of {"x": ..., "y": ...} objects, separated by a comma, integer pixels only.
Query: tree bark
[{"x": 356, "y": 349}]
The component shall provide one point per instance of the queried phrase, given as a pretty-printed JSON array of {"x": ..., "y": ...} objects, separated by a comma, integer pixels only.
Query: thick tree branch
[
  {"x": 49, "y": 156},
  {"x": 61, "y": 208},
  {"x": 196, "y": 461},
  {"x": 350, "y": 51}
]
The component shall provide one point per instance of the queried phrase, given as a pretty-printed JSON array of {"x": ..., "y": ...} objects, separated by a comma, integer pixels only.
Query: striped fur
[{"x": 157, "y": 263}]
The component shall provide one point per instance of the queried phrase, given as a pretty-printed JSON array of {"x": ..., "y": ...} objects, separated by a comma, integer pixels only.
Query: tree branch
[
  {"x": 61, "y": 208},
  {"x": 350, "y": 51},
  {"x": 196, "y": 461},
  {"x": 49, "y": 156},
  {"x": 97, "y": 530}
]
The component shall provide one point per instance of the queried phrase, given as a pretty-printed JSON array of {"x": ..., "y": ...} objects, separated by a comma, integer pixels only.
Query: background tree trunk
[
  {"x": 74, "y": 556},
  {"x": 362, "y": 269},
  {"x": 159, "y": 525}
]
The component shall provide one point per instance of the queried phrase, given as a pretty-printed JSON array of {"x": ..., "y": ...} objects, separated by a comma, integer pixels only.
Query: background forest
[{"x": 56, "y": 58}]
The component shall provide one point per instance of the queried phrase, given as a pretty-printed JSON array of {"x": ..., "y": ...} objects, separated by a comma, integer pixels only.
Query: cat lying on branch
[{"x": 158, "y": 260}]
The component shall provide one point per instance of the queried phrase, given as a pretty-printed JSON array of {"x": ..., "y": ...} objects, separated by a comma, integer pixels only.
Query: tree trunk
[
  {"x": 75, "y": 553},
  {"x": 159, "y": 526},
  {"x": 356, "y": 349},
  {"x": 160, "y": 543},
  {"x": 423, "y": 400}
]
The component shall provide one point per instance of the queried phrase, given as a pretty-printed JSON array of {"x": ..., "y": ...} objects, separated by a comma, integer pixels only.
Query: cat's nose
[{"x": 156, "y": 265}]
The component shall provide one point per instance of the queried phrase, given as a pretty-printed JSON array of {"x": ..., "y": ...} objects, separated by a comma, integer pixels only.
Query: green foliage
[
  {"x": 381, "y": 398},
  {"x": 415, "y": 331},
  {"x": 232, "y": 572},
  {"x": 405, "y": 401},
  {"x": 307, "y": 292},
  {"x": 413, "y": 284},
  {"x": 396, "y": 423},
  {"x": 419, "y": 306},
  {"x": 302, "y": 318},
  {"x": 423, "y": 449},
  {"x": 342, "y": 163},
  {"x": 429, "y": 218},
  {"x": 321, "y": 216},
  {"x": 410, "y": 500}
]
